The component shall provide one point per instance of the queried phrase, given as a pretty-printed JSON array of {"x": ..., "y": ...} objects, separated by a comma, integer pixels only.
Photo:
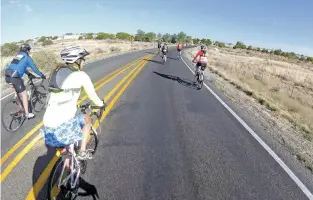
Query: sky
[{"x": 284, "y": 24}]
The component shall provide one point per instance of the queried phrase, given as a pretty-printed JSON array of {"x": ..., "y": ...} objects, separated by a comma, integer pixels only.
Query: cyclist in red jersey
[
  {"x": 179, "y": 49},
  {"x": 203, "y": 59}
]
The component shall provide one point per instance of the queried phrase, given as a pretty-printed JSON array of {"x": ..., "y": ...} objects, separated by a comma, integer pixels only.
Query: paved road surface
[{"x": 163, "y": 140}]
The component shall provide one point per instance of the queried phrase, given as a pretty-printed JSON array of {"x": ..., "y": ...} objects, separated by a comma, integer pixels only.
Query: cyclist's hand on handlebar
[
  {"x": 31, "y": 76},
  {"x": 43, "y": 76}
]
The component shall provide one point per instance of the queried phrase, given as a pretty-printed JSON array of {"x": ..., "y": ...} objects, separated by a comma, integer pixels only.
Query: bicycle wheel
[
  {"x": 64, "y": 191},
  {"x": 39, "y": 98},
  {"x": 12, "y": 111},
  {"x": 93, "y": 141}
]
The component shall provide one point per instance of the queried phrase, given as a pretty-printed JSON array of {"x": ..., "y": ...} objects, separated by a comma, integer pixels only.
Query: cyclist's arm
[
  {"x": 32, "y": 65},
  {"x": 194, "y": 58},
  {"x": 89, "y": 89}
]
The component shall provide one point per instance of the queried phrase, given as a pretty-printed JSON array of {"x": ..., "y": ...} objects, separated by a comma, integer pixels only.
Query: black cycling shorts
[
  {"x": 202, "y": 65},
  {"x": 178, "y": 49},
  {"x": 164, "y": 52},
  {"x": 16, "y": 81}
]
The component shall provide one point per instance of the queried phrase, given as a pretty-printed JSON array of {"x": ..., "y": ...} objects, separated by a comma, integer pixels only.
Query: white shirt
[{"x": 55, "y": 113}]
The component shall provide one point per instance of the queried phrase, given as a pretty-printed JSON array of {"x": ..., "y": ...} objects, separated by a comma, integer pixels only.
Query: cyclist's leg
[
  {"x": 86, "y": 130},
  {"x": 20, "y": 88}
]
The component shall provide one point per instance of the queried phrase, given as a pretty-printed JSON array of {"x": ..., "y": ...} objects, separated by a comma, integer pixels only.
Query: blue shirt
[{"x": 21, "y": 61}]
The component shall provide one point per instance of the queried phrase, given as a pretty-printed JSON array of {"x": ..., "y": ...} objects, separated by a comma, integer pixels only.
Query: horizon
[{"x": 266, "y": 24}]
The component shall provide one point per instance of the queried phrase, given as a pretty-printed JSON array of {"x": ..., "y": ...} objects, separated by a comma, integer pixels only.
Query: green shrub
[
  {"x": 240, "y": 45},
  {"x": 80, "y": 38},
  {"x": 219, "y": 44},
  {"x": 45, "y": 60},
  {"x": 47, "y": 42},
  {"x": 42, "y": 39},
  {"x": 103, "y": 36},
  {"x": 250, "y": 47},
  {"x": 9, "y": 49},
  {"x": 123, "y": 36},
  {"x": 309, "y": 59},
  {"x": 89, "y": 36}
]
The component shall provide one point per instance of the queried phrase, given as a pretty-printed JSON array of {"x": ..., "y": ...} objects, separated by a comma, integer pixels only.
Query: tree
[
  {"x": 258, "y": 49},
  {"x": 54, "y": 37},
  {"x": 188, "y": 40},
  {"x": 9, "y": 49},
  {"x": 80, "y": 38},
  {"x": 250, "y": 47},
  {"x": 219, "y": 44},
  {"x": 159, "y": 36},
  {"x": 123, "y": 36},
  {"x": 167, "y": 37},
  {"x": 149, "y": 37},
  {"x": 302, "y": 58},
  {"x": 140, "y": 36},
  {"x": 196, "y": 40},
  {"x": 181, "y": 36},
  {"x": 174, "y": 39}
]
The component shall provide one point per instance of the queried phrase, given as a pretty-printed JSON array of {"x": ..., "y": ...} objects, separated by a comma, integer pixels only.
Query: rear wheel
[
  {"x": 64, "y": 190},
  {"x": 12, "y": 115}
]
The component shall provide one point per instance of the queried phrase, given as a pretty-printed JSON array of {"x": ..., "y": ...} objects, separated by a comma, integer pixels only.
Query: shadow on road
[
  {"x": 155, "y": 61},
  {"x": 39, "y": 166},
  {"x": 172, "y": 58},
  {"x": 182, "y": 81}
]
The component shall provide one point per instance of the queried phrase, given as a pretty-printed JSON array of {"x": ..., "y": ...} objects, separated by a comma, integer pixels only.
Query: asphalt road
[{"x": 163, "y": 139}]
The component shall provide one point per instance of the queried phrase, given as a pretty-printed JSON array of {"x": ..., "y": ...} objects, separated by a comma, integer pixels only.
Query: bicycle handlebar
[{"x": 87, "y": 105}]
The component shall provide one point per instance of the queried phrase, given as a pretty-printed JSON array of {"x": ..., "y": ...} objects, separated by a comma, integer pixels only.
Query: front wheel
[
  {"x": 12, "y": 115},
  {"x": 39, "y": 98}
]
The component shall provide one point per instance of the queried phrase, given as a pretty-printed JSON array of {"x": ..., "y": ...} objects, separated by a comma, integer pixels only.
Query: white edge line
[
  {"x": 118, "y": 54},
  {"x": 304, "y": 189}
]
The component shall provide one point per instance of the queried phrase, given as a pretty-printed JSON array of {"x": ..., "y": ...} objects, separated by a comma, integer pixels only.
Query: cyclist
[
  {"x": 159, "y": 46},
  {"x": 203, "y": 59},
  {"x": 62, "y": 126},
  {"x": 15, "y": 72},
  {"x": 164, "y": 49},
  {"x": 179, "y": 49}
]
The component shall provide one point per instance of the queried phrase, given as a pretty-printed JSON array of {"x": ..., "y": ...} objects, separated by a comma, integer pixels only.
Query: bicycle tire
[
  {"x": 34, "y": 92},
  {"x": 51, "y": 182},
  {"x": 93, "y": 142},
  {"x": 3, "y": 113}
]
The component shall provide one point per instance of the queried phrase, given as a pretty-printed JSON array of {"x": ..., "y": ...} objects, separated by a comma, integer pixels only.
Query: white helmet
[{"x": 72, "y": 53}]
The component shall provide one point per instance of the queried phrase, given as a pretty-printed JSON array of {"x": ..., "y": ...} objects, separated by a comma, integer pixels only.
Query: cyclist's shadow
[{"x": 41, "y": 164}]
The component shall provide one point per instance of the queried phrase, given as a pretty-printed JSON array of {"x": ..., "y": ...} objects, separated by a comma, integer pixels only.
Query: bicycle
[
  {"x": 70, "y": 185},
  {"x": 35, "y": 95},
  {"x": 199, "y": 77}
]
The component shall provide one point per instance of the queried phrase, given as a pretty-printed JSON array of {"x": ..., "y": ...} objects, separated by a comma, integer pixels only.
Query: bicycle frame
[{"x": 74, "y": 170}]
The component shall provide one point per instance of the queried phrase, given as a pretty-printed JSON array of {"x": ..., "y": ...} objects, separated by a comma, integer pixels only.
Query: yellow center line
[
  {"x": 33, "y": 193},
  {"x": 34, "y": 130}
]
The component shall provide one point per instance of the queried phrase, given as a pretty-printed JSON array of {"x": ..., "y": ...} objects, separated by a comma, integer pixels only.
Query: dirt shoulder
[{"x": 275, "y": 93}]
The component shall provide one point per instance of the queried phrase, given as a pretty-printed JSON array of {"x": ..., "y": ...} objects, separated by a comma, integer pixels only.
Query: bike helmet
[
  {"x": 25, "y": 47},
  {"x": 73, "y": 53},
  {"x": 203, "y": 48}
]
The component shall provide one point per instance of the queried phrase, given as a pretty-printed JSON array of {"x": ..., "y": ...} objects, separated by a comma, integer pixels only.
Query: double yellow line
[
  {"x": 100, "y": 83},
  {"x": 34, "y": 191}
]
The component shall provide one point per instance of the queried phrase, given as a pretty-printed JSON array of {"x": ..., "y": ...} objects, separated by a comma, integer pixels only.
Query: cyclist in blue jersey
[{"x": 15, "y": 72}]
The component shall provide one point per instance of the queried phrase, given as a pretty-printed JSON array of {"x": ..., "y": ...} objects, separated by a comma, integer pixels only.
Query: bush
[
  {"x": 80, "y": 38},
  {"x": 89, "y": 36},
  {"x": 219, "y": 44},
  {"x": 45, "y": 60},
  {"x": 240, "y": 45},
  {"x": 123, "y": 36},
  {"x": 9, "y": 49},
  {"x": 278, "y": 52},
  {"x": 42, "y": 39},
  {"x": 309, "y": 59},
  {"x": 54, "y": 37},
  {"x": 47, "y": 42},
  {"x": 103, "y": 36},
  {"x": 250, "y": 47}
]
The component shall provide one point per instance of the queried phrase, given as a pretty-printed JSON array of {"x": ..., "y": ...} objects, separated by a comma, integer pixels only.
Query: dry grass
[
  {"x": 46, "y": 57},
  {"x": 286, "y": 88}
]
